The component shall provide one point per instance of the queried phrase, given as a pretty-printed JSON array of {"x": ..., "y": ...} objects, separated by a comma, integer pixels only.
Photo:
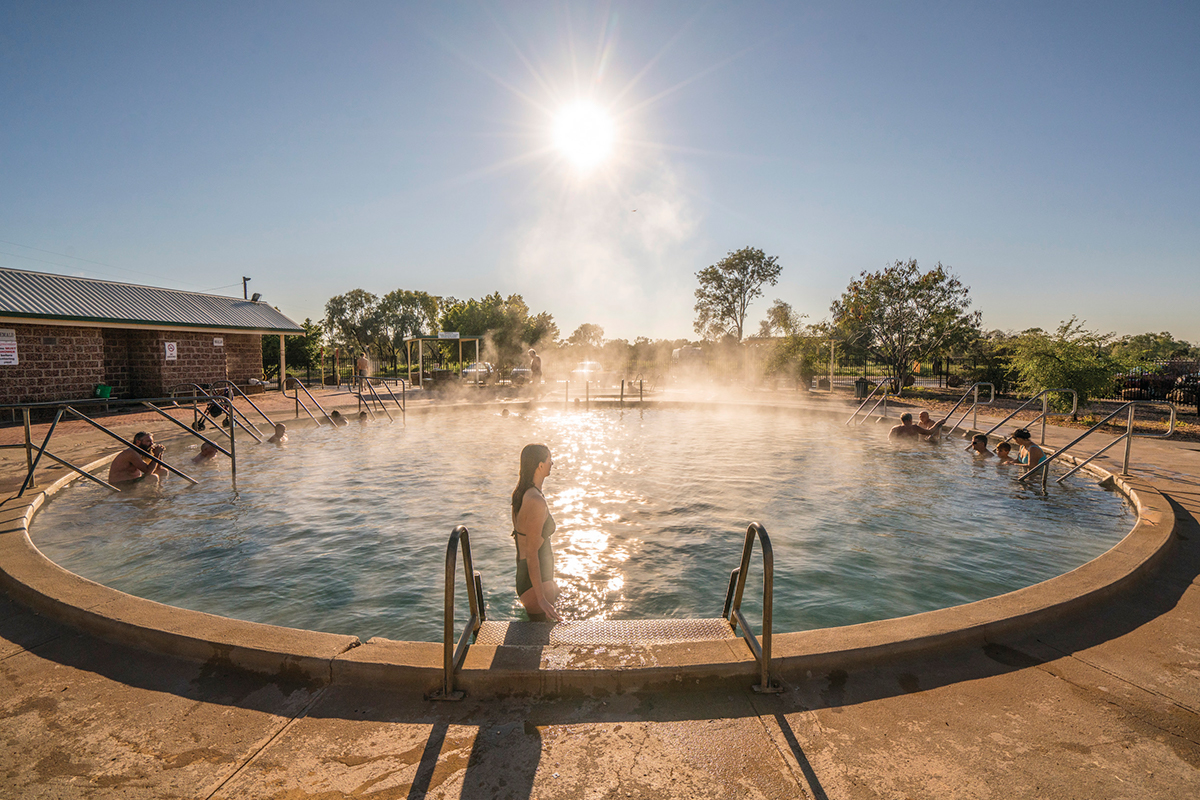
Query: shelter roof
[{"x": 39, "y": 296}]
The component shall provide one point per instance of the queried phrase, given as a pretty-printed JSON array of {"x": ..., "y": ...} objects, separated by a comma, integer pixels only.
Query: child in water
[{"x": 1003, "y": 450}]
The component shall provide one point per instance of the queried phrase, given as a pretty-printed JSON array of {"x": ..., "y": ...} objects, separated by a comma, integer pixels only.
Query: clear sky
[{"x": 1048, "y": 153}]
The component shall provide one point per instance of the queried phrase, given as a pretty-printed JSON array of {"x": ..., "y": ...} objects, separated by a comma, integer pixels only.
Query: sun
[{"x": 583, "y": 134}]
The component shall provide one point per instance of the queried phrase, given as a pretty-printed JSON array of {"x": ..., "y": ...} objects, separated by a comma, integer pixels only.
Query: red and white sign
[{"x": 172, "y": 351}]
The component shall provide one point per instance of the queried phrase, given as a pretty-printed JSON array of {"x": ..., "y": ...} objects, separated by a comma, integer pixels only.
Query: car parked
[
  {"x": 591, "y": 372},
  {"x": 479, "y": 373}
]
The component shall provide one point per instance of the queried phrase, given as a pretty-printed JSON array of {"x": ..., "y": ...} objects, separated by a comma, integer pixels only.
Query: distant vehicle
[
  {"x": 479, "y": 373},
  {"x": 520, "y": 376},
  {"x": 591, "y": 372}
]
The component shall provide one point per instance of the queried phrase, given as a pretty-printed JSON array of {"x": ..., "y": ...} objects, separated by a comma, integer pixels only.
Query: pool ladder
[{"x": 540, "y": 634}]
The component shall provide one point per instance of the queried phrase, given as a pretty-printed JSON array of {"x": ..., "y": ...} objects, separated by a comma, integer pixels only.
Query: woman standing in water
[{"x": 533, "y": 528}]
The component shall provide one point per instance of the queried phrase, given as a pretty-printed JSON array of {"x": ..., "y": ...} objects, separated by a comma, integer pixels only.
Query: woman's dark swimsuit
[{"x": 545, "y": 558}]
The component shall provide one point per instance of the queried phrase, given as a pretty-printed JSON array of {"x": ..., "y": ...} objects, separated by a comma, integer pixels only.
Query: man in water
[
  {"x": 132, "y": 467},
  {"x": 979, "y": 445},
  {"x": 207, "y": 451},
  {"x": 280, "y": 436},
  {"x": 906, "y": 429}
]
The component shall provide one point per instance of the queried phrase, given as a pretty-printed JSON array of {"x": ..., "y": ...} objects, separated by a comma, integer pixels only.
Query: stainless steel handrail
[
  {"x": 233, "y": 415},
  {"x": 452, "y": 656},
  {"x": 244, "y": 396},
  {"x": 298, "y": 383},
  {"x": 1127, "y": 437},
  {"x": 975, "y": 404},
  {"x": 1044, "y": 396},
  {"x": 883, "y": 399},
  {"x": 375, "y": 395},
  {"x": 733, "y": 604},
  {"x": 65, "y": 408}
]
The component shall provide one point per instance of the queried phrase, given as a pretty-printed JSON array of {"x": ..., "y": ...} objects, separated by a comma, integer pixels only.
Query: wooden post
[{"x": 282, "y": 364}]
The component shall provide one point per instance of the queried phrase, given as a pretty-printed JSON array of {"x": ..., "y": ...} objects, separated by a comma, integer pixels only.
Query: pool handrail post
[
  {"x": 641, "y": 392},
  {"x": 28, "y": 482},
  {"x": 453, "y": 655},
  {"x": 761, "y": 651},
  {"x": 232, "y": 447},
  {"x": 245, "y": 397},
  {"x": 300, "y": 384},
  {"x": 28, "y": 440}
]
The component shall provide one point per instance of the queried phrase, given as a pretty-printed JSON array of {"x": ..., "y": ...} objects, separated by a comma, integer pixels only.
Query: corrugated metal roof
[{"x": 60, "y": 297}]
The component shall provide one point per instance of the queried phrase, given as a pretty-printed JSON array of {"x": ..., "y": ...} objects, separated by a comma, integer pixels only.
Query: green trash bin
[
  {"x": 860, "y": 389},
  {"x": 102, "y": 390}
]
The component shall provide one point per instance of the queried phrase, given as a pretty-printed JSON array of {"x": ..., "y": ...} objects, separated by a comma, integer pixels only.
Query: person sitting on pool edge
[
  {"x": 533, "y": 528},
  {"x": 280, "y": 436},
  {"x": 979, "y": 445},
  {"x": 132, "y": 467},
  {"x": 1031, "y": 454},
  {"x": 1002, "y": 452}
]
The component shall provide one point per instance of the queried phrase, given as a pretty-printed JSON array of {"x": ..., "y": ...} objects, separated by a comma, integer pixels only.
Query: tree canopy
[
  {"x": 1070, "y": 358},
  {"x": 728, "y": 287},
  {"x": 505, "y": 323},
  {"x": 901, "y": 315}
]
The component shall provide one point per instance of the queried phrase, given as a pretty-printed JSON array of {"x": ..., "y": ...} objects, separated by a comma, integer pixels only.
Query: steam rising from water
[{"x": 345, "y": 530}]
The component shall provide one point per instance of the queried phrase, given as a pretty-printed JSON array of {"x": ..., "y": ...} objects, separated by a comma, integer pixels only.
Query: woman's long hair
[{"x": 531, "y": 456}]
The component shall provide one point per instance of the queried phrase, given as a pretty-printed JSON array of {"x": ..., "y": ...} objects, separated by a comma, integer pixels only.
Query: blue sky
[{"x": 1046, "y": 152}]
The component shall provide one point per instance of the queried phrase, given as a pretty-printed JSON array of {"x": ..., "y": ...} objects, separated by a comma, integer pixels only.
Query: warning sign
[
  {"x": 172, "y": 351},
  {"x": 8, "y": 347}
]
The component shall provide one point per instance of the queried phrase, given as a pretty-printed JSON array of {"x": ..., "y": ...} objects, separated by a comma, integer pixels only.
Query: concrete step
[{"x": 604, "y": 632}]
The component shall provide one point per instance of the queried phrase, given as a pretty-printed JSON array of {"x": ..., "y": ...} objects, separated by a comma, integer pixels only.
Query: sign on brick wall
[
  {"x": 8, "y": 347},
  {"x": 172, "y": 350},
  {"x": 218, "y": 341}
]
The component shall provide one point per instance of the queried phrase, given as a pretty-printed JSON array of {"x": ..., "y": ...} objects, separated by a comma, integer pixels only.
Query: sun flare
[{"x": 583, "y": 133}]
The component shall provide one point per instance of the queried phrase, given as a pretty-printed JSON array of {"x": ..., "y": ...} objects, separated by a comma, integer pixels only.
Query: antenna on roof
[{"x": 244, "y": 282}]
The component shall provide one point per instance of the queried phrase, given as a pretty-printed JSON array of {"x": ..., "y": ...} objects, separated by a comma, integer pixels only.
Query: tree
[
  {"x": 588, "y": 336},
  {"x": 1145, "y": 347},
  {"x": 302, "y": 351},
  {"x": 402, "y": 314},
  {"x": 352, "y": 320},
  {"x": 1070, "y": 358},
  {"x": 504, "y": 322},
  {"x": 781, "y": 320},
  {"x": 800, "y": 349},
  {"x": 901, "y": 315},
  {"x": 727, "y": 289}
]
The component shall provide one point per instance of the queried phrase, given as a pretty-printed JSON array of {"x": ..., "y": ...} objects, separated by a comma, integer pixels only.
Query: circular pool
[{"x": 345, "y": 530}]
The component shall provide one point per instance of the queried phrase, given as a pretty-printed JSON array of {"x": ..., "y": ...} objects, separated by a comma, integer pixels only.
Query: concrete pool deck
[{"x": 1100, "y": 706}]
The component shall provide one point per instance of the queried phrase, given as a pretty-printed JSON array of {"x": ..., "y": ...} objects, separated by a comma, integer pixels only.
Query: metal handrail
[
  {"x": 452, "y": 656},
  {"x": 395, "y": 399},
  {"x": 63, "y": 408},
  {"x": 243, "y": 395},
  {"x": 883, "y": 399},
  {"x": 733, "y": 604},
  {"x": 1044, "y": 396},
  {"x": 377, "y": 398},
  {"x": 297, "y": 382},
  {"x": 975, "y": 404},
  {"x": 1127, "y": 437},
  {"x": 247, "y": 426}
]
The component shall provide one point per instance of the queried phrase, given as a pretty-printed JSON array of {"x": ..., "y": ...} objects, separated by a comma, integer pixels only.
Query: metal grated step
[{"x": 598, "y": 632}]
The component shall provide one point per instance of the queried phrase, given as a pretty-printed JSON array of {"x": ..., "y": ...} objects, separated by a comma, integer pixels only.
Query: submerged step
[{"x": 604, "y": 632}]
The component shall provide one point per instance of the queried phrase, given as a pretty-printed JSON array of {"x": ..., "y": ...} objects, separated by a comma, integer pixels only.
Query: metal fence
[{"x": 1175, "y": 381}]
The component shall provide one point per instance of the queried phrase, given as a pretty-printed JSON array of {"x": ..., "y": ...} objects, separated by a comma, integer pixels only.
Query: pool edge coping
[{"x": 39, "y": 583}]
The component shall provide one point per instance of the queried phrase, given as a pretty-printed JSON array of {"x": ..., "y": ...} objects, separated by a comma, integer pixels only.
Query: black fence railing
[{"x": 1175, "y": 381}]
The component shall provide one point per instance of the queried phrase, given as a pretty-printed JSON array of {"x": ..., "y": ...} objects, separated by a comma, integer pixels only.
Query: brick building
[{"x": 61, "y": 336}]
